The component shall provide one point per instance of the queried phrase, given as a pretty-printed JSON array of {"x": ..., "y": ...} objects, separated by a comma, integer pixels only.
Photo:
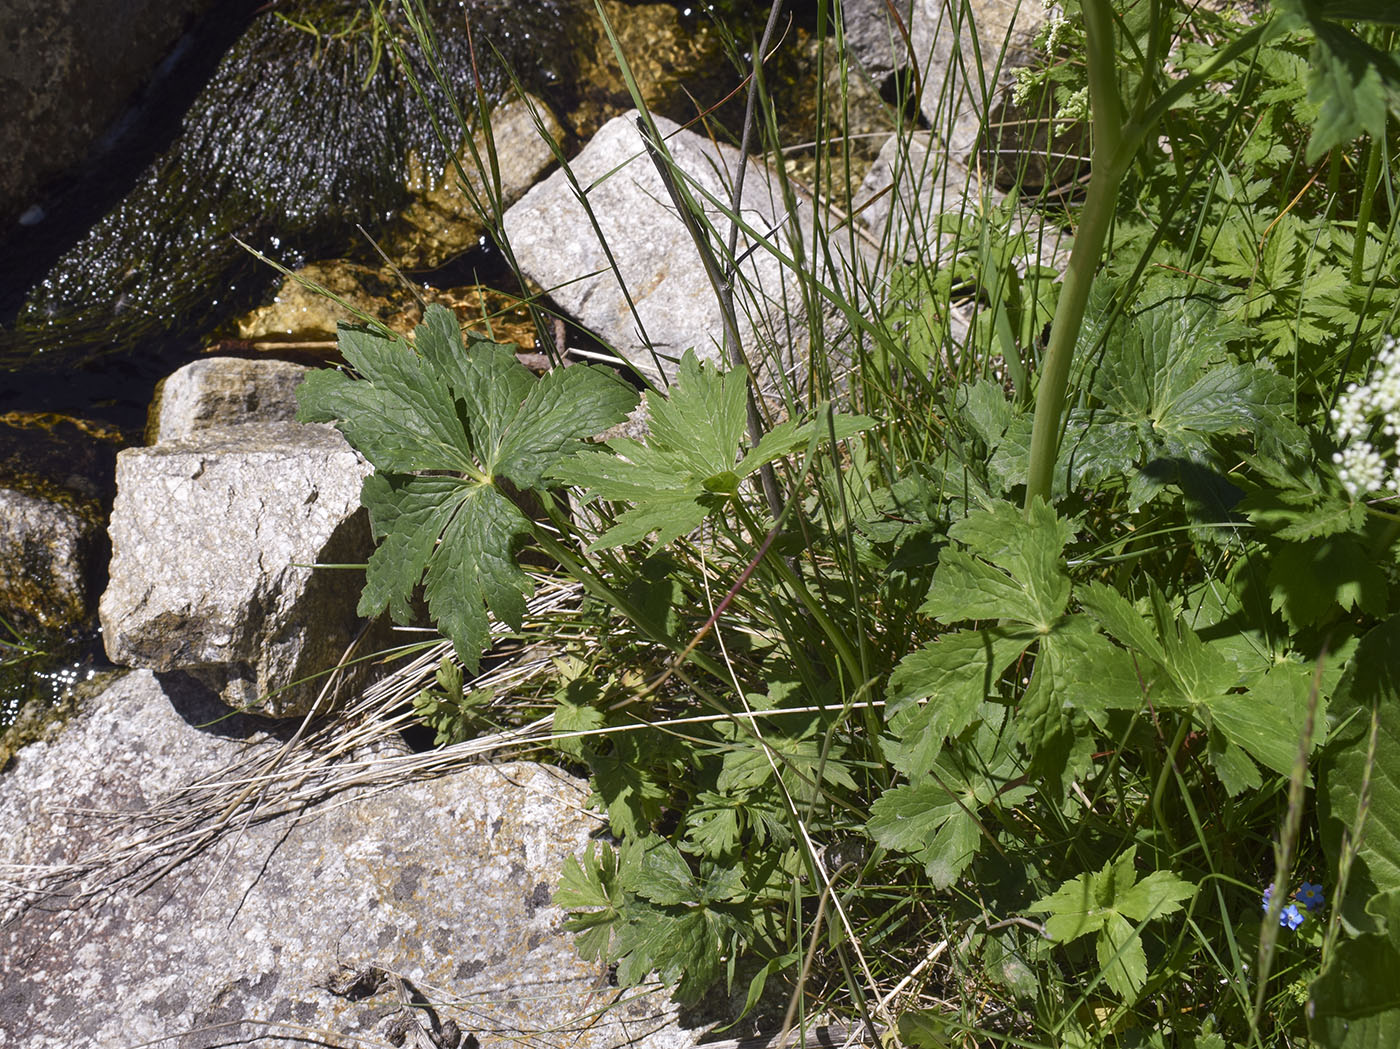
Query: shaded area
[{"x": 303, "y": 132}]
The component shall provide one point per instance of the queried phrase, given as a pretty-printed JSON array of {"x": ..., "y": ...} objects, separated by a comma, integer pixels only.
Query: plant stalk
[
  {"x": 1116, "y": 141},
  {"x": 1109, "y": 165},
  {"x": 1363, "y": 215}
]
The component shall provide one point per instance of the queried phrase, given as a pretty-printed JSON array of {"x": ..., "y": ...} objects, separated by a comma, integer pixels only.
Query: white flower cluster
[
  {"x": 1028, "y": 78},
  {"x": 1362, "y": 467}
]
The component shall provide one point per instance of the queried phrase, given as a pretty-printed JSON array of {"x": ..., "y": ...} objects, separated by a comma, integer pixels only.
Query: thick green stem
[
  {"x": 1109, "y": 165},
  {"x": 1116, "y": 141},
  {"x": 1089, "y": 239},
  {"x": 1363, "y": 215}
]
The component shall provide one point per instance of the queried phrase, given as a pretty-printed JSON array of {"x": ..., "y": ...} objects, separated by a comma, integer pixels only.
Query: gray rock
[
  {"x": 941, "y": 41},
  {"x": 213, "y": 542},
  {"x": 910, "y": 185},
  {"x": 446, "y": 882},
  {"x": 954, "y": 99},
  {"x": 558, "y": 248},
  {"x": 873, "y": 37},
  {"x": 223, "y": 391},
  {"x": 906, "y": 190}
]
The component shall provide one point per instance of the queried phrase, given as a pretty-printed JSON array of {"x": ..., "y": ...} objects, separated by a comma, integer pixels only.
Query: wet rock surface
[
  {"x": 214, "y": 539},
  {"x": 298, "y": 312},
  {"x": 47, "y": 550},
  {"x": 675, "y": 60},
  {"x": 55, "y": 490},
  {"x": 300, "y": 137},
  {"x": 302, "y": 322},
  {"x": 294, "y": 926},
  {"x": 441, "y": 221}
]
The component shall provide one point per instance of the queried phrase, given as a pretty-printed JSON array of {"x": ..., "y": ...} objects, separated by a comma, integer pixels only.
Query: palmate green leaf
[
  {"x": 642, "y": 907},
  {"x": 590, "y": 890},
  {"x": 929, "y": 823},
  {"x": 935, "y": 819},
  {"x": 951, "y": 676},
  {"x": 685, "y": 947},
  {"x": 1114, "y": 904},
  {"x": 1167, "y": 390},
  {"x": 1178, "y": 669},
  {"x": 1268, "y": 720},
  {"x": 671, "y": 924},
  {"x": 692, "y": 458},
  {"x": 441, "y": 424},
  {"x": 1309, "y": 580},
  {"x": 625, "y": 782},
  {"x": 572, "y": 717},
  {"x": 1029, "y": 583},
  {"x": 712, "y": 825},
  {"x": 1354, "y": 83}
]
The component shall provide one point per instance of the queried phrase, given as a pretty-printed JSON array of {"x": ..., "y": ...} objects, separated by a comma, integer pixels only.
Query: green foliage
[
  {"x": 934, "y": 818},
  {"x": 644, "y": 909},
  {"x": 453, "y": 713},
  {"x": 692, "y": 461},
  {"x": 1354, "y": 83},
  {"x": 1115, "y": 904},
  {"x": 444, "y": 428},
  {"x": 1168, "y": 391},
  {"x": 1355, "y": 1000},
  {"x": 934, "y": 701}
]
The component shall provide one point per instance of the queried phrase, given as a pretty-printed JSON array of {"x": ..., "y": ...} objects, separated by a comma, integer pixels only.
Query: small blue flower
[
  {"x": 1292, "y": 917},
  {"x": 1311, "y": 897}
]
